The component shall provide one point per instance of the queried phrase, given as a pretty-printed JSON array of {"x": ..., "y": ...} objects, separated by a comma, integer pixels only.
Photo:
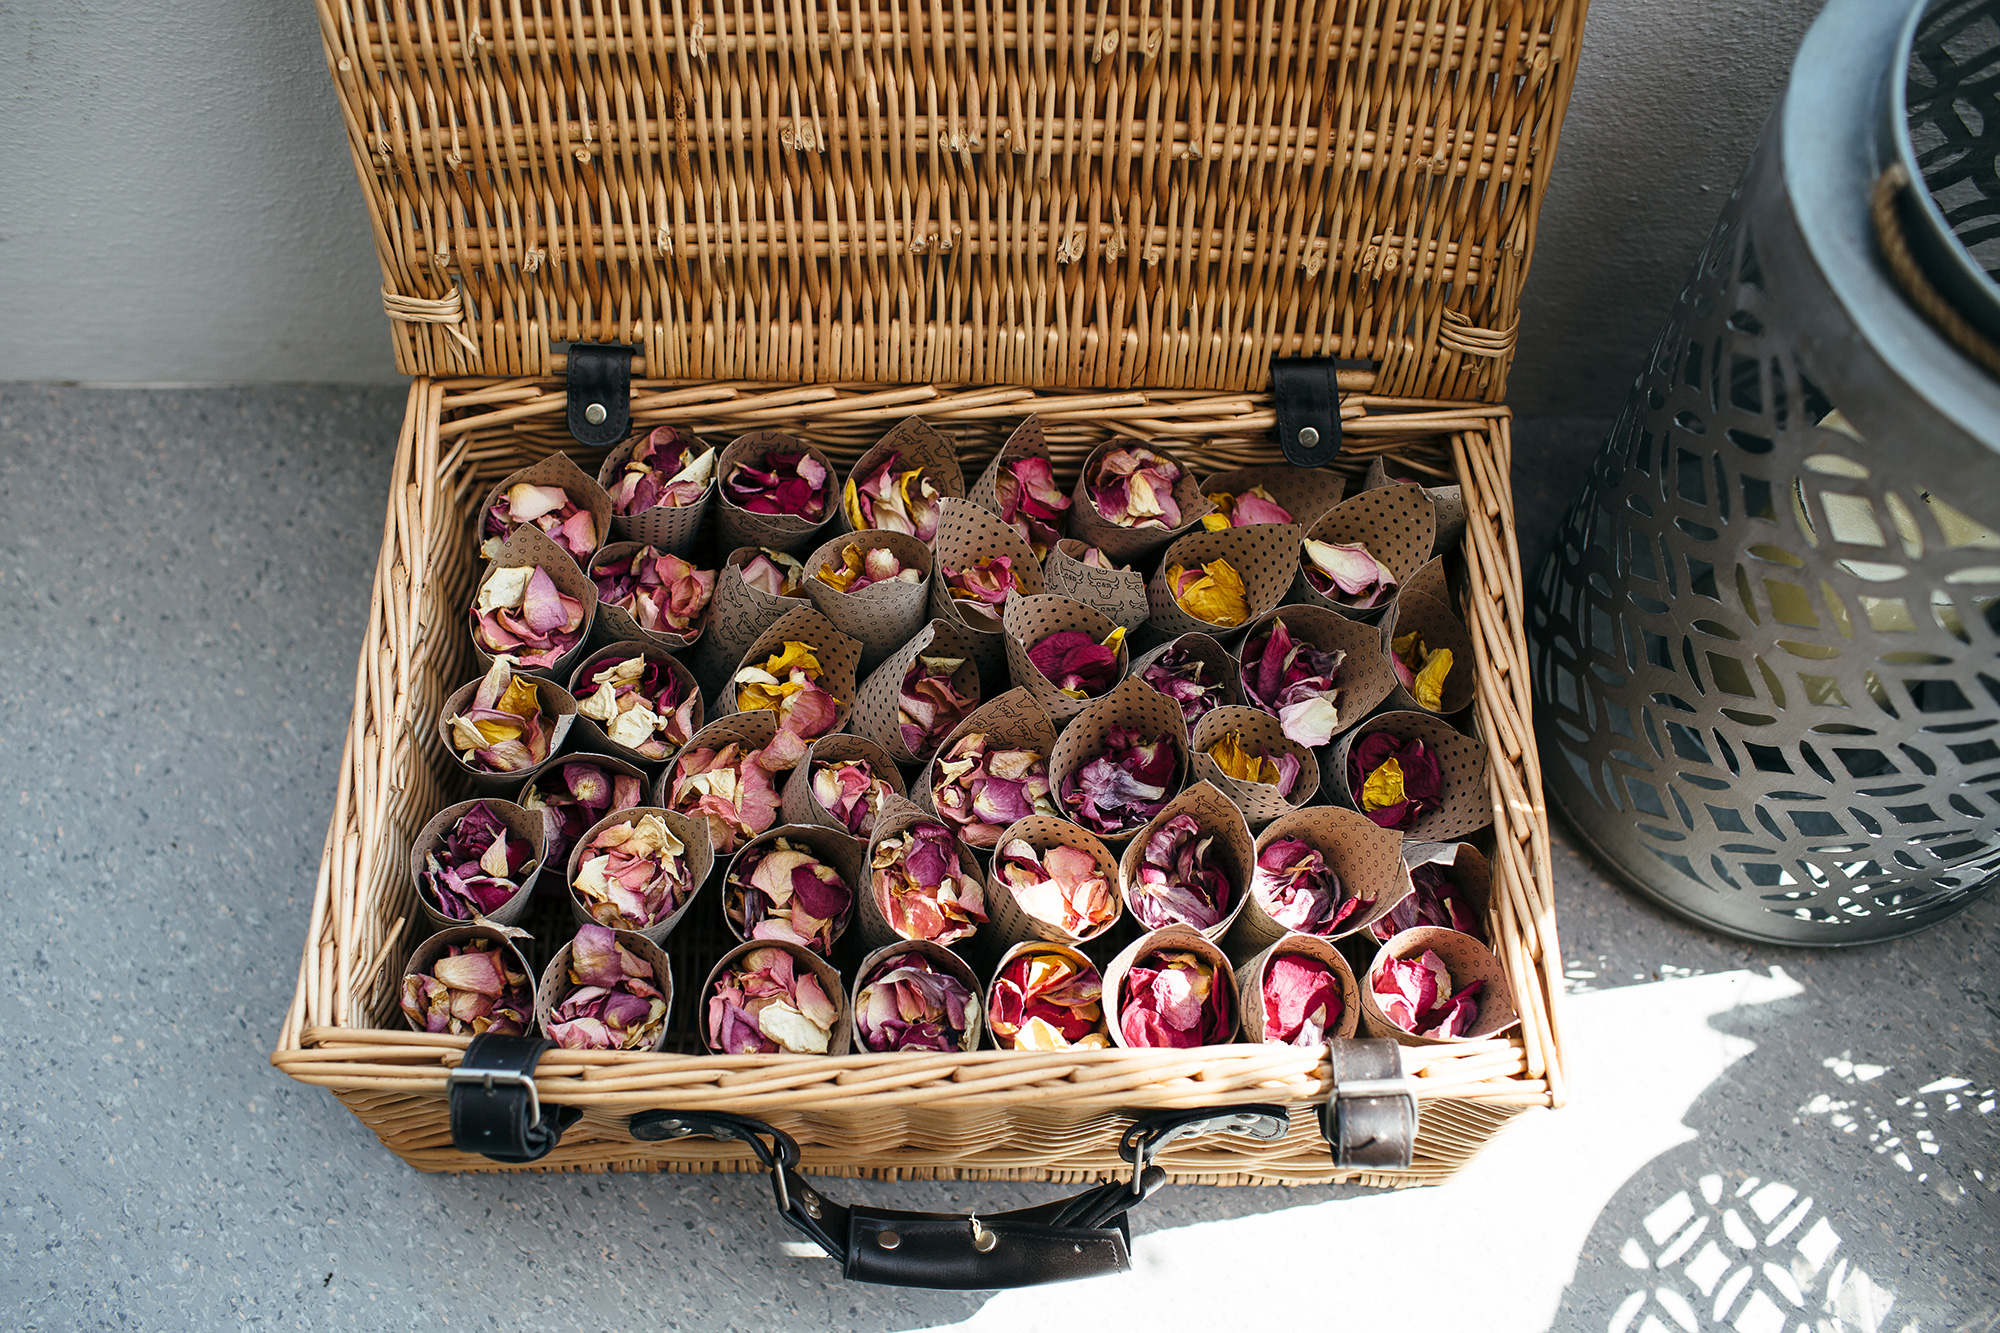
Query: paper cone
[
  {"x": 1366, "y": 859},
  {"x": 944, "y": 960},
  {"x": 1257, "y": 730},
  {"x": 871, "y": 915},
  {"x": 736, "y": 526},
  {"x": 1011, "y": 924},
  {"x": 1077, "y": 958},
  {"x": 735, "y": 615},
  {"x": 1029, "y": 620},
  {"x": 555, "y": 985},
  {"x": 1466, "y": 807},
  {"x": 528, "y": 547},
  {"x": 1263, "y": 554},
  {"x": 1180, "y": 939},
  {"x": 1118, "y": 593},
  {"x": 829, "y": 980},
  {"x": 558, "y": 710},
  {"x": 1365, "y": 677},
  {"x": 882, "y": 616},
  {"x": 669, "y": 527},
  {"x": 753, "y": 731},
  {"x": 966, "y": 534},
  {"x": 838, "y": 657},
  {"x": 1468, "y": 870},
  {"x": 1467, "y": 960},
  {"x": 531, "y": 793},
  {"x": 921, "y": 446},
  {"x": 1027, "y": 441},
  {"x": 1133, "y": 704},
  {"x": 1122, "y": 544},
  {"x": 1222, "y": 665},
  {"x": 558, "y": 470},
  {"x": 1306, "y": 493},
  {"x": 1447, "y": 505},
  {"x": 1394, "y": 523},
  {"x": 1439, "y": 628},
  {"x": 590, "y": 735},
  {"x": 427, "y": 953},
  {"x": 1217, "y": 814},
  {"x": 877, "y": 704},
  {"x": 1014, "y": 721},
  {"x": 1250, "y": 984},
  {"x": 525, "y": 824},
  {"x": 800, "y": 806},
  {"x": 617, "y": 624},
  {"x": 692, "y": 830},
  {"x": 831, "y": 847}
]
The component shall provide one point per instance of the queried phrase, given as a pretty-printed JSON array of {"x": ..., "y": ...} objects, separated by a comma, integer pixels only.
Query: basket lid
[{"x": 1027, "y": 194}]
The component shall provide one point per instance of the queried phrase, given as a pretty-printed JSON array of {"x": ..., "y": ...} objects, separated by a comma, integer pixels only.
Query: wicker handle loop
[
  {"x": 448, "y": 312},
  {"x": 1457, "y": 333}
]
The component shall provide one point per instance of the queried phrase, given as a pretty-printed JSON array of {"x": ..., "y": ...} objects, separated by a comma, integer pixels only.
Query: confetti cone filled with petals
[
  {"x": 478, "y": 867},
  {"x": 1133, "y": 487},
  {"x": 463, "y": 983},
  {"x": 774, "y": 572},
  {"x": 1077, "y": 664},
  {"x": 506, "y": 729},
  {"x": 1060, "y": 885},
  {"x": 615, "y": 998},
  {"x": 1182, "y": 877},
  {"x": 1434, "y": 900},
  {"x": 1025, "y": 489},
  {"x": 1299, "y": 890},
  {"x": 633, "y": 874},
  {"x": 1126, "y": 784},
  {"x": 1256, "y": 505},
  {"x": 1047, "y": 999},
  {"x": 929, "y": 705},
  {"x": 575, "y": 795},
  {"x": 981, "y": 589},
  {"x": 1347, "y": 573},
  {"x": 1395, "y": 782},
  {"x": 787, "y": 683},
  {"x": 861, "y": 567},
  {"x": 982, "y": 788},
  {"x": 732, "y": 787},
  {"x": 663, "y": 593},
  {"x": 850, "y": 791},
  {"x": 642, "y": 704},
  {"x": 1280, "y": 770},
  {"x": 548, "y": 508},
  {"x": 921, "y": 886},
  {"x": 894, "y": 497},
  {"x": 1189, "y": 679},
  {"x": 1293, "y": 681},
  {"x": 1420, "y": 670},
  {"x": 1212, "y": 592},
  {"x": 791, "y": 482},
  {"x": 665, "y": 470},
  {"x": 765, "y": 998},
  {"x": 909, "y": 1001},
  {"x": 520, "y": 613},
  {"x": 1175, "y": 997},
  {"x": 1301, "y": 998},
  {"x": 780, "y": 890},
  {"x": 1418, "y": 996}
]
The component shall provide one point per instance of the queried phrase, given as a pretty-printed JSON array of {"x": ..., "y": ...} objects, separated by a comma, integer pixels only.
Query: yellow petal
[
  {"x": 796, "y": 656},
  {"x": 1384, "y": 787},
  {"x": 1224, "y": 504},
  {"x": 1217, "y": 597},
  {"x": 520, "y": 699},
  {"x": 1112, "y": 640},
  {"x": 1428, "y": 689},
  {"x": 850, "y": 504},
  {"x": 850, "y": 559},
  {"x": 1238, "y": 762},
  {"x": 1402, "y": 644}
]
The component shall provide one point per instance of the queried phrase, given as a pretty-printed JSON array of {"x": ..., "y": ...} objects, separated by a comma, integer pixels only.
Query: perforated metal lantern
[{"x": 1766, "y": 646}]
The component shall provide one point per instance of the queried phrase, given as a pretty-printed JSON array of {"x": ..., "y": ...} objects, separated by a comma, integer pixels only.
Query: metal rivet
[
  {"x": 1308, "y": 437},
  {"x": 888, "y": 1240},
  {"x": 984, "y": 1240},
  {"x": 595, "y": 414}
]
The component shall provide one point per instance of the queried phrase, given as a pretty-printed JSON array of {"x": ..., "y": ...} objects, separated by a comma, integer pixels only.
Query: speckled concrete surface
[{"x": 1761, "y": 1139}]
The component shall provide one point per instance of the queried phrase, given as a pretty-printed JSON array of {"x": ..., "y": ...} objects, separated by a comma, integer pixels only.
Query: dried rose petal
[
  {"x": 1172, "y": 997},
  {"x": 864, "y": 568},
  {"x": 477, "y": 868},
  {"x": 981, "y": 589},
  {"x": 641, "y": 704},
  {"x": 1126, "y": 784},
  {"x": 575, "y": 795},
  {"x": 1096, "y": 559},
  {"x": 633, "y": 875},
  {"x": 1181, "y": 880},
  {"x": 893, "y": 499},
  {"x": 1025, "y": 490},
  {"x": 1255, "y": 505},
  {"x": 1302, "y": 1001},
  {"x": 1295, "y": 683},
  {"x": 774, "y": 572},
  {"x": 1347, "y": 573},
  {"x": 477, "y": 987},
  {"x": 769, "y": 1002},
  {"x": 661, "y": 591},
  {"x": 1396, "y": 781},
  {"x": 787, "y": 683},
  {"x": 1077, "y": 664},
  {"x": 848, "y": 790},
  {"x": 908, "y": 1003},
  {"x": 617, "y": 1003},
  {"x": 1280, "y": 771},
  {"x": 1416, "y": 995},
  {"x": 1183, "y": 677},
  {"x": 1299, "y": 890},
  {"x": 666, "y": 470},
  {"x": 1420, "y": 670},
  {"x": 731, "y": 787},
  {"x": 928, "y": 707},
  {"x": 1045, "y": 1002},
  {"x": 1433, "y": 900},
  {"x": 922, "y": 888},
  {"x": 521, "y": 614},
  {"x": 784, "y": 481},
  {"x": 781, "y": 891},
  {"x": 505, "y": 729},
  {"x": 1061, "y": 886},
  {"x": 983, "y": 790},
  {"x": 1134, "y": 488},
  {"x": 548, "y": 509},
  {"x": 1213, "y": 592}
]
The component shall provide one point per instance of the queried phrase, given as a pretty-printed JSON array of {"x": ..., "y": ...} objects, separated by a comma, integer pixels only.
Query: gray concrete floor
[{"x": 1760, "y": 1139}]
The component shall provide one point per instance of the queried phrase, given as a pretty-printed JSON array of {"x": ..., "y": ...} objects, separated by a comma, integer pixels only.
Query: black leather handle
[{"x": 495, "y": 1111}]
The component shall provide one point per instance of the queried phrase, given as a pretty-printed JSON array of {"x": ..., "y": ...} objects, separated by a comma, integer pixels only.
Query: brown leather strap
[{"x": 1370, "y": 1117}]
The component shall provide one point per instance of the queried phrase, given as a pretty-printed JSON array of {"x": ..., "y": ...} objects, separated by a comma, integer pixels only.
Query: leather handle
[
  {"x": 599, "y": 388},
  {"x": 1370, "y": 1116},
  {"x": 495, "y": 1110}
]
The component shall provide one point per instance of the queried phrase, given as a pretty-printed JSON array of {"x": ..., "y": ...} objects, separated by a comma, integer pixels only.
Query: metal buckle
[{"x": 487, "y": 1078}]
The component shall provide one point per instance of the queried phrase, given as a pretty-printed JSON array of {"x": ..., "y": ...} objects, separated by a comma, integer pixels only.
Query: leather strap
[
  {"x": 495, "y": 1110},
  {"x": 600, "y": 386},
  {"x": 1370, "y": 1117},
  {"x": 1307, "y": 398}
]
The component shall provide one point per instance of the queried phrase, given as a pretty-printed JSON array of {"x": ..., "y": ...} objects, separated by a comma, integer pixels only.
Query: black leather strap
[
  {"x": 1308, "y": 402},
  {"x": 1370, "y": 1117},
  {"x": 600, "y": 385},
  {"x": 495, "y": 1111}
]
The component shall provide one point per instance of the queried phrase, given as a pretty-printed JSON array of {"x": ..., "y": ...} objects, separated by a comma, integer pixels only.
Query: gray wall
[{"x": 177, "y": 204}]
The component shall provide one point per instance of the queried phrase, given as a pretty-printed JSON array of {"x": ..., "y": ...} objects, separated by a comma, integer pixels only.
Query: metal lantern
[{"x": 1766, "y": 646}]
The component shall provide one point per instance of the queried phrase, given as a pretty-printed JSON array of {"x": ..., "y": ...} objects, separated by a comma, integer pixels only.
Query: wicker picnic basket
[{"x": 825, "y": 219}]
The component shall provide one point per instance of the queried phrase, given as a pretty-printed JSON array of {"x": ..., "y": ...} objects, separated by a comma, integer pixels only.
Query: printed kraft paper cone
[
  {"x": 882, "y": 616},
  {"x": 1365, "y": 677},
  {"x": 1014, "y": 721},
  {"x": 617, "y": 625},
  {"x": 1122, "y": 544},
  {"x": 921, "y": 447},
  {"x": 1467, "y": 960},
  {"x": 736, "y": 526},
  {"x": 555, "y": 985},
  {"x": 1261, "y": 554},
  {"x": 558, "y": 711},
  {"x": 1396, "y": 526},
  {"x": 1011, "y": 923},
  {"x": 878, "y": 703},
  {"x": 557, "y": 470},
  {"x": 1118, "y": 593},
  {"x": 1234, "y": 847},
  {"x": 1305, "y": 493},
  {"x": 1131, "y": 703},
  {"x": 736, "y": 613},
  {"x": 669, "y": 527},
  {"x": 838, "y": 657},
  {"x": 693, "y": 834},
  {"x": 1447, "y": 505},
  {"x": 1466, "y": 806},
  {"x": 1250, "y": 984},
  {"x": 524, "y": 824},
  {"x": 1026, "y": 948},
  {"x": 1435, "y": 625},
  {"x": 1221, "y": 662},
  {"x": 829, "y": 980},
  {"x": 592, "y": 737},
  {"x": 1029, "y": 620},
  {"x": 800, "y": 806},
  {"x": 527, "y": 547},
  {"x": 1465, "y": 866},
  {"x": 831, "y": 847},
  {"x": 1257, "y": 731},
  {"x": 1027, "y": 441},
  {"x": 966, "y": 534},
  {"x": 871, "y": 918},
  {"x": 1366, "y": 859},
  {"x": 429, "y": 951},
  {"x": 1179, "y": 939},
  {"x": 753, "y": 731},
  {"x": 616, "y": 767},
  {"x": 944, "y": 960}
]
